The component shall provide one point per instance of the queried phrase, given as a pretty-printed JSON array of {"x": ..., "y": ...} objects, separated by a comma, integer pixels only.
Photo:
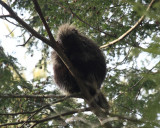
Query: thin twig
[
  {"x": 39, "y": 96},
  {"x": 126, "y": 118},
  {"x": 37, "y": 111},
  {"x": 5, "y": 16},
  {"x": 25, "y": 25},
  {"x": 33, "y": 125},
  {"x": 11, "y": 32},
  {"x": 80, "y": 19},
  {"x": 12, "y": 114},
  {"x": 129, "y": 31},
  {"x": 48, "y": 118},
  {"x": 12, "y": 22},
  {"x": 136, "y": 84},
  {"x": 26, "y": 41},
  {"x": 75, "y": 95}
]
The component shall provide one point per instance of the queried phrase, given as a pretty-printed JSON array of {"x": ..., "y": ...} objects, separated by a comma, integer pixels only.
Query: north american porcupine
[{"x": 86, "y": 57}]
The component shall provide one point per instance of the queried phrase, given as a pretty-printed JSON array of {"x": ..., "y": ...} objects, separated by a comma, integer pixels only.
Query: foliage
[{"x": 132, "y": 84}]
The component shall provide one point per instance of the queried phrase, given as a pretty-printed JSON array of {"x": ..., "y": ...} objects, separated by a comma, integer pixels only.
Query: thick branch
[
  {"x": 129, "y": 31},
  {"x": 37, "y": 8},
  {"x": 97, "y": 110},
  {"x": 51, "y": 43}
]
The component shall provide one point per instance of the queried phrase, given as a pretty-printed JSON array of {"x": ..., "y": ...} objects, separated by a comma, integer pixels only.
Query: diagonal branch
[
  {"x": 97, "y": 110},
  {"x": 129, "y": 31},
  {"x": 54, "y": 44},
  {"x": 36, "y": 112},
  {"x": 37, "y": 8},
  {"x": 26, "y": 41},
  {"x": 80, "y": 19}
]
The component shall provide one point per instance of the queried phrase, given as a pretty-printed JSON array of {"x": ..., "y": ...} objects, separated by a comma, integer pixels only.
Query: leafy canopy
[{"x": 132, "y": 84}]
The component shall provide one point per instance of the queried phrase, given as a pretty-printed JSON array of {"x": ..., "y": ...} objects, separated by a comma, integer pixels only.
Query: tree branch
[
  {"x": 48, "y": 118},
  {"x": 37, "y": 111},
  {"x": 26, "y": 41},
  {"x": 88, "y": 98},
  {"x": 76, "y": 95},
  {"x": 5, "y": 16},
  {"x": 113, "y": 117},
  {"x": 37, "y": 8},
  {"x": 129, "y": 31},
  {"x": 25, "y": 25},
  {"x": 97, "y": 29},
  {"x": 126, "y": 118}
]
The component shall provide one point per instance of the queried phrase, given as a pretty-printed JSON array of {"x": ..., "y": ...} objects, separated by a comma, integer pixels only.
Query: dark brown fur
[{"x": 86, "y": 57}]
